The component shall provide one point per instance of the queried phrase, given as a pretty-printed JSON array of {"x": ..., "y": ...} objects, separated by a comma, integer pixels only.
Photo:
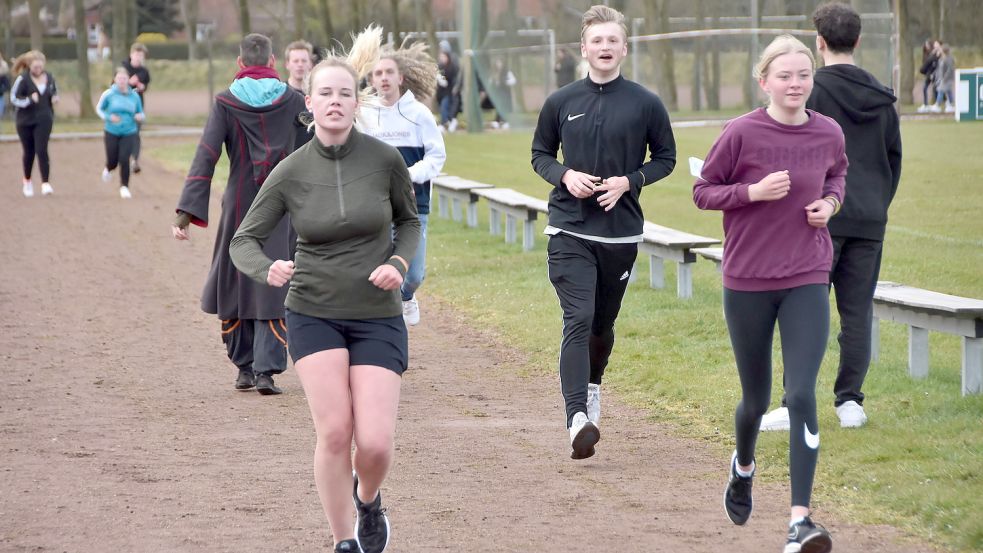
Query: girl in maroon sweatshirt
[{"x": 778, "y": 175}]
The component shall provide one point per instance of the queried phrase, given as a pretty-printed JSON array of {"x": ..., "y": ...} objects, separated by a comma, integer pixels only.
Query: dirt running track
[{"x": 120, "y": 430}]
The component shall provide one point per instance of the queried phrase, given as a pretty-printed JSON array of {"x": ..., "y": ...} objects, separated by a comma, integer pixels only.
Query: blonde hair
[
  {"x": 783, "y": 44},
  {"x": 418, "y": 68},
  {"x": 358, "y": 62},
  {"x": 26, "y": 59},
  {"x": 298, "y": 45},
  {"x": 599, "y": 14}
]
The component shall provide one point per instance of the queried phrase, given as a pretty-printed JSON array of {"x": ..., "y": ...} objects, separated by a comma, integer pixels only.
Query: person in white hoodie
[{"x": 400, "y": 119}]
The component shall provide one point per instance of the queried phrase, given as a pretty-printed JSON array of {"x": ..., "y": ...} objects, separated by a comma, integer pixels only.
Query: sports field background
[{"x": 917, "y": 465}]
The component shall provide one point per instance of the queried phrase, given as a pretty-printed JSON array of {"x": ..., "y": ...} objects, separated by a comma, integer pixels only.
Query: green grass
[{"x": 918, "y": 465}]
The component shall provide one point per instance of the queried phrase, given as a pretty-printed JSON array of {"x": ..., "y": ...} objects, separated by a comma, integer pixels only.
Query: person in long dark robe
[{"x": 256, "y": 119}]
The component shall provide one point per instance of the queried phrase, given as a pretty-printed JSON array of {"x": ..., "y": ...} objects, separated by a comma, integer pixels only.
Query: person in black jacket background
[
  {"x": 604, "y": 125},
  {"x": 139, "y": 80},
  {"x": 864, "y": 109},
  {"x": 34, "y": 94}
]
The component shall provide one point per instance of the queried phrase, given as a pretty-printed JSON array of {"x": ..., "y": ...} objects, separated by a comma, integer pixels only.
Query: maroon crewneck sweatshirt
[{"x": 770, "y": 245}]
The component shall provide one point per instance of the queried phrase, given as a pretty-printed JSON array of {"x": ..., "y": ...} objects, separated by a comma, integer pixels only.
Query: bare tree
[
  {"x": 657, "y": 11},
  {"x": 356, "y": 15},
  {"x": 394, "y": 8},
  {"x": 713, "y": 71},
  {"x": 698, "y": 58},
  {"x": 37, "y": 31},
  {"x": 86, "y": 111},
  {"x": 325, "y": 12},
  {"x": 429, "y": 26},
  {"x": 6, "y": 26},
  {"x": 119, "y": 42},
  {"x": 189, "y": 8},
  {"x": 906, "y": 62},
  {"x": 299, "y": 16},
  {"x": 245, "y": 23}
]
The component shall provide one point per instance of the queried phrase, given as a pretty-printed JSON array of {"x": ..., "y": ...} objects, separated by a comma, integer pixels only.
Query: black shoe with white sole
[
  {"x": 737, "y": 497},
  {"x": 806, "y": 536},
  {"x": 371, "y": 523}
]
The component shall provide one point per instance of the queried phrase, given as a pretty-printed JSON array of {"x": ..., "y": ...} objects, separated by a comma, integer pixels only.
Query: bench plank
[
  {"x": 459, "y": 192},
  {"x": 663, "y": 243},
  {"x": 515, "y": 206}
]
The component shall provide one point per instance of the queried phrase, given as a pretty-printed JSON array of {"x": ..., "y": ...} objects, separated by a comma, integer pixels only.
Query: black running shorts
[{"x": 379, "y": 342}]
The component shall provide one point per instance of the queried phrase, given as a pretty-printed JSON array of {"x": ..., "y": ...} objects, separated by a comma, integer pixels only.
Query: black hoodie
[{"x": 864, "y": 108}]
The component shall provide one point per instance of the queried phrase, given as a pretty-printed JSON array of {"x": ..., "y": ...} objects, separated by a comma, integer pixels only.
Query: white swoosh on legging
[{"x": 812, "y": 440}]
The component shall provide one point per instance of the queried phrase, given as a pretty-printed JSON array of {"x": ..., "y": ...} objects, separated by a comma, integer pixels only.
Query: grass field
[{"x": 917, "y": 465}]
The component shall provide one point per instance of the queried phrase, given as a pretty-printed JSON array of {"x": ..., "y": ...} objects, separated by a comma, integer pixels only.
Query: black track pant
[
  {"x": 590, "y": 279},
  {"x": 256, "y": 345},
  {"x": 118, "y": 152},
  {"x": 802, "y": 314},
  {"x": 137, "y": 142},
  {"x": 34, "y": 142},
  {"x": 856, "y": 266}
]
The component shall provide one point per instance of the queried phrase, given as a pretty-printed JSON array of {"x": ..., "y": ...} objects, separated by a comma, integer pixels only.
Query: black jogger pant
[
  {"x": 802, "y": 314},
  {"x": 856, "y": 267},
  {"x": 590, "y": 279},
  {"x": 118, "y": 152},
  {"x": 256, "y": 345},
  {"x": 34, "y": 142}
]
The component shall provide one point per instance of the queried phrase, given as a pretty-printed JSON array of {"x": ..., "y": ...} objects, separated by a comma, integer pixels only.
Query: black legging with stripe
[
  {"x": 34, "y": 140},
  {"x": 802, "y": 314}
]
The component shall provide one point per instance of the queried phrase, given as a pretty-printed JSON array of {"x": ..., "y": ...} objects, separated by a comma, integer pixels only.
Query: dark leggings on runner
[
  {"x": 34, "y": 140},
  {"x": 802, "y": 314},
  {"x": 118, "y": 152}
]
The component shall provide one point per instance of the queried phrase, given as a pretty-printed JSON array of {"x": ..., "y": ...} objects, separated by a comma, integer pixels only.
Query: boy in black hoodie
[{"x": 864, "y": 108}]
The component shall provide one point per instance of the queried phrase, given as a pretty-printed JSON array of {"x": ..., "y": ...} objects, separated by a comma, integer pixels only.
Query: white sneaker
[
  {"x": 775, "y": 420},
  {"x": 594, "y": 403},
  {"x": 851, "y": 415},
  {"x": 124, "y": 192},
  {"x": 923, "y": 108},
  {"x": 934, "y": 108},
  {"x": 583, "y": 435},
  {"x": 452, "y": 126},
  {"x": 107, "y": 175},
  {"x": 949, "y": 108},
  {"x": 505, "y": 125},
  {"x": 411, "y": 311},
  {"x": 46, "y": 189},
  {"x": 28, "y": 189},
  {"x": 494, "y": 124}
]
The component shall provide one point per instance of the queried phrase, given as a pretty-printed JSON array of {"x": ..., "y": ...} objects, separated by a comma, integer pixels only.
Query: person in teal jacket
[{"x": 121, "y": 108}]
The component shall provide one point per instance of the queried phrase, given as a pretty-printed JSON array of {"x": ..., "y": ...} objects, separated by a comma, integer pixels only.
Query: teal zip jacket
[{"x": 124, "y": 104}]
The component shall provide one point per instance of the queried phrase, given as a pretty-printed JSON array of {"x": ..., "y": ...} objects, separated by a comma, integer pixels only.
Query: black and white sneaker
[
  {"x": 347, "y": 546},
  {"x": 583, "y": 436},
  {"x": 737, "y": 496},
  {"x": 371, "y": 523},
  {"x": 807, "y": 537}
]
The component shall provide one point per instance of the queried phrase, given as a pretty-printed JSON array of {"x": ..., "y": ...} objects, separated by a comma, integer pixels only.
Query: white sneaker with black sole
[{"x": 583, "y": 436}]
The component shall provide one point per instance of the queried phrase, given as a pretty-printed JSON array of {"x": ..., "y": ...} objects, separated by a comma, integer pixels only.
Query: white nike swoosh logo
[
  {"x": 572, "y": 117},
  {"x": 812, "y": 440}
]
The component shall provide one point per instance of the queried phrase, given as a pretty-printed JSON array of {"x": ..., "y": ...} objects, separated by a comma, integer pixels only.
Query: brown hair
[
  {"x": 255, "y": 50},
  {"x": 417, "y": 67},
  {"x": 599, "y": 14},
  {"x": 298, "y": 45},
  {"x": 139, "y": 47}
]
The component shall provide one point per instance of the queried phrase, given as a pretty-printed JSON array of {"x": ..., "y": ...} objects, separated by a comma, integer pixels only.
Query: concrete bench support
[
  {"x": 924, "y": 310},
  {"x": 663, "y": 244},
  {"x": 453, "y": 193},
  {"x": 514, "y": 207}
]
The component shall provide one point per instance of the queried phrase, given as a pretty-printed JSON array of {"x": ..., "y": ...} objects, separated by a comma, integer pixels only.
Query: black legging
[
  {"x": 802, "y": 314},
  {"x": 118, "y": 152},
  {"x": 34, "y": 140}
]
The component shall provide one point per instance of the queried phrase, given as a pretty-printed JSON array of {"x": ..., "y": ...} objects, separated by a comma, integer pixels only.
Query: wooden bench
[
  {"x": 711, "y": 254},
  {"x": 516, "y": 207},
  {"x": 453, "y": 192},
  {"x": 663, "y": 243},
  {"x": 924, "y": 310}
]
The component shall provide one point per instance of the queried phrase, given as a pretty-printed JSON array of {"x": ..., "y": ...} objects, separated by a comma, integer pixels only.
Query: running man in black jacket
[
  {"x": 604, "y": 125},
  {"x": 864, "y": 108}
]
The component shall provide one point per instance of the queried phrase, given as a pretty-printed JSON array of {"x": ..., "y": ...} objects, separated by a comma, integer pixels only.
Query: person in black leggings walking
[
  {"x": 34, "y": 94},
  {"x": 778, "y": 174}
]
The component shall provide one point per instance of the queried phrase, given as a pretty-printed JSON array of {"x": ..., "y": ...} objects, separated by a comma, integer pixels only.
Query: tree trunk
[
  {"x": 118, "y": 41},
  {"x": 6, "y": 24},
  {"x": 394, "y": 7},
  {"x": 356, "y": 16},
  {"x": 514, "y": 62},
  {"x": 244, "y": 19},
  {"x": 299, "y": 15},
  {"x": 429, "y": 26},
  {"x": 698, "y": 61},
  {"x": 189, "y": 9},
  {"x": 86, "y": 111},
  {"x": 905, "y": 62},
  {"x": 37, "y": 31},
  {"x": 326, "y": 27},
  {"x": 713, "y": 71},
  {"x": 657, "y": 11},
  {"x": 750, "y": 87}
]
